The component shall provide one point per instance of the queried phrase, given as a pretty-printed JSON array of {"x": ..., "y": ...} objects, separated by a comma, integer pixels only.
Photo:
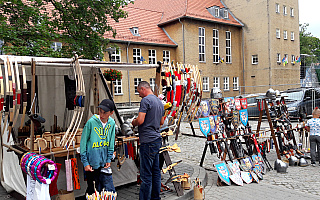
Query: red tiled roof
[
  {"x": 174, "y": 9},
  {"x": 146, "y": 21}
]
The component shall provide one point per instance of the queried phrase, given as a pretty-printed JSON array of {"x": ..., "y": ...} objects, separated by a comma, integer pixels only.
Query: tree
[
  {"x": 309, "y": 45},
  {"x": 30, "y": 27}
]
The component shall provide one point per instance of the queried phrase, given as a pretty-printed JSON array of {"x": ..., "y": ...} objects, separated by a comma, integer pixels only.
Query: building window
[
  {"x": 284, "y": 10},
  {"x": 292, "y": 36},
  {"x": 291, "y": 12},
  {"x": 215, "y": 46},
  {"x": 278, "y": 58},
  {"x": 136, "y": 83},
  {"x": 235, "y": 83},
  {"x": 216, "y": 82},
  {"x": 116, "y": 56},
  {"x": 225, "y": 83},
  {"x": 285, "y": 61},
  {"x": 225, "y": 14},
  {"x": 152, "y": 83},
  {"x": 134, "y": 31},
  {"x": 278, "y": 33},
  {"x": 293, "y": 59},
  {"x": 285, "y": 35},
  {"x": 137, "y": 55},
  {"x": 254, "y": 59},
  {"x": 56, "y": 46},
  {"x": 216, "y": 12},
  {"x": 205, "y": 84},
  {"x": 166, "y": 56},
  {"x": 277, "y": 8},
  {"x": 1, "y": 47},
  {"x": 228, "y": 47},
  {"x": 152, "y": 56},
  {"x": 202, "y": 53},
  {"x": 117, "y": 87}
]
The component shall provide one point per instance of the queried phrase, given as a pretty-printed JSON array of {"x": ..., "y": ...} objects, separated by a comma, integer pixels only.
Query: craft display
[
  {"x": 104, "y": 195},
  {"x": 39, "y": 167}
]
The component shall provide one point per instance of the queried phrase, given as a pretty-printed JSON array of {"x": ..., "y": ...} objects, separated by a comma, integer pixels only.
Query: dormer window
[
  {"x": 225, "y": 14},
  {"x": 135, "y": 31},
  {"x": 216, "y": 12}
]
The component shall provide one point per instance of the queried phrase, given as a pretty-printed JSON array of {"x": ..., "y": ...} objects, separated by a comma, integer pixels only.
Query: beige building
[
  {"x": 271, "y": 43},
  {"x": 203, "y": 33}
]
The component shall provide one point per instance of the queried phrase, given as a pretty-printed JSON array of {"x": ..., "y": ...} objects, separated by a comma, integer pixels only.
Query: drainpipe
[
  {"x": 184, "y": 58},
  {"x": 269, "y": 45},
  {"x": 243, "y": 68},
  {"x": 128, "y": 74}
]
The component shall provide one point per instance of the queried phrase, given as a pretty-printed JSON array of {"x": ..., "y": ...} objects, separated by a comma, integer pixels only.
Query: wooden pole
[{"x": 33, "y": 88}]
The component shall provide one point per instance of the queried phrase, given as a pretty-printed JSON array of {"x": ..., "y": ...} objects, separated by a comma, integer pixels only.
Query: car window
[
  {"x": 251, "y": 100},
  {"x": 292, "y": 96}
]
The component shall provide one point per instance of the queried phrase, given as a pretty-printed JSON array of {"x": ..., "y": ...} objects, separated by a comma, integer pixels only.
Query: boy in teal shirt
[{"x": 97, "y": 147}]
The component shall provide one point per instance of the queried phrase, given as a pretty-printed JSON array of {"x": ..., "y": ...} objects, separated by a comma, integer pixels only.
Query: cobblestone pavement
[{"x": 297, "y": 183}]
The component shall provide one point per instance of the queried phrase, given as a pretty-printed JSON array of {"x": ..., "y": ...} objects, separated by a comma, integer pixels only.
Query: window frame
[
  {"x": 216, "y": 82},
  {"x": 235, "y": 83},
  {"x": 116, "y": 56},
  {"x": 152, "y": 58},
  {"x": 292, "y": 36},
  {"x": 293, "y": 59},
  {"x": 202, "y": 46},
  {"x": 216, "y": 12},
  {"x": 285, "y": 35},
  {"x": 226, "y": 85},
  {"x": 254, "y": 59},
  {"x": 215, "y": 45},
  {"x": 278, "y": 36},
  {"x": 136, "y": 58},
  {"x": 277, "y": 8},
  {"x": 278, "y": 58},
  {"x": 136, "y": 82},
  {"x": 152, "y": 83},
  {"x": 164, "y": 56},
  {"x": 55, "y": 47},
  {"x": 116, "y": 86},
  {"x": 285, "y": 10},
  {"x": 228, "y": 47},
  {"x": 292, "y": 12},
  {"x": 225, "y": 14},
  {"x": 205, "y": 84}
]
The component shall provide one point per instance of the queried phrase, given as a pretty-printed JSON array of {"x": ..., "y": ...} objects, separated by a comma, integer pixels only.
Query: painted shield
[
  {"x": 204, "y": 124},
  {"x": 235, "y": 119},
  {"x": 247, "y": 162},
  {"x": 205, "y": 108},
  {"x": 262, "y": 164},
  {"x": 244, "y": 116},
  {"x": 223, "y": 172},
  {"x": 214, "y": 106},
  {"x": 213, "y": 126},
  {"x": 246, "y": 177},
  {"x": 236, "y": 179},
  {"x": 235, "y": 171},
  {"x": 229, "y": 104},
  {"x": 244, "y": 103},
  {"x": 237, "y": 104},
  {"x": 258, "y": 173},
  {"x": 255, "y": 177}
]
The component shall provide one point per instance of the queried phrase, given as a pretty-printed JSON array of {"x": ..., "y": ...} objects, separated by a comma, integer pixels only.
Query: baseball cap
[{"x": 106, "y": 105}]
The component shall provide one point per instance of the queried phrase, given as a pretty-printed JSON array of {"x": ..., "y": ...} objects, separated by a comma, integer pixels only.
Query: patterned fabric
[{"x": 314, "y": 124}]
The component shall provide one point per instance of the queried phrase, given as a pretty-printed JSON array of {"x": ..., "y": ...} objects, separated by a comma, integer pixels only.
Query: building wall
[
  {"x": 261, "y": 21},
  {"x": 145, "y": 75},
  {"x": 209, "y": 69}
]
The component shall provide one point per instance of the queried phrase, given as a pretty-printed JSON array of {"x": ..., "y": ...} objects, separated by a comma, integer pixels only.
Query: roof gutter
[{"x": 143, "y": 43}]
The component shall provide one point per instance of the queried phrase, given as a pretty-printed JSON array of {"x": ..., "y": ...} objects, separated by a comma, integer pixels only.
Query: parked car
[
  {"x": 253, "y": 110},
  {"x": 301, "y": 101}
]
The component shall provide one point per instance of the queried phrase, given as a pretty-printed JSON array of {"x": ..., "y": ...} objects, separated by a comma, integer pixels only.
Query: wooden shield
[
  {"x": 237, "y": 104},
  {"x": 244, "y": 116},
  {"x": 246, "y": 177},
  {"x": 235, "y": 119},
  {"x": 204, "y": 124},
  {"x": 244, "y": 103},
  {"x": 214, "y": 106},
  {"x": 205, "y": 109},
  {"x": 223, "y": 172}
]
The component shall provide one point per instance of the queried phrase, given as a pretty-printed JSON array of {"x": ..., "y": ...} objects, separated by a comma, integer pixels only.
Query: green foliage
[
  {"x": 309, "y": 45},
  {"x": 28, "y": 28}
]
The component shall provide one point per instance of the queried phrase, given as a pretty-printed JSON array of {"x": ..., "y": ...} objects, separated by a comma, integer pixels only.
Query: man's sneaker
[{"x": 313, "y": 164}]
